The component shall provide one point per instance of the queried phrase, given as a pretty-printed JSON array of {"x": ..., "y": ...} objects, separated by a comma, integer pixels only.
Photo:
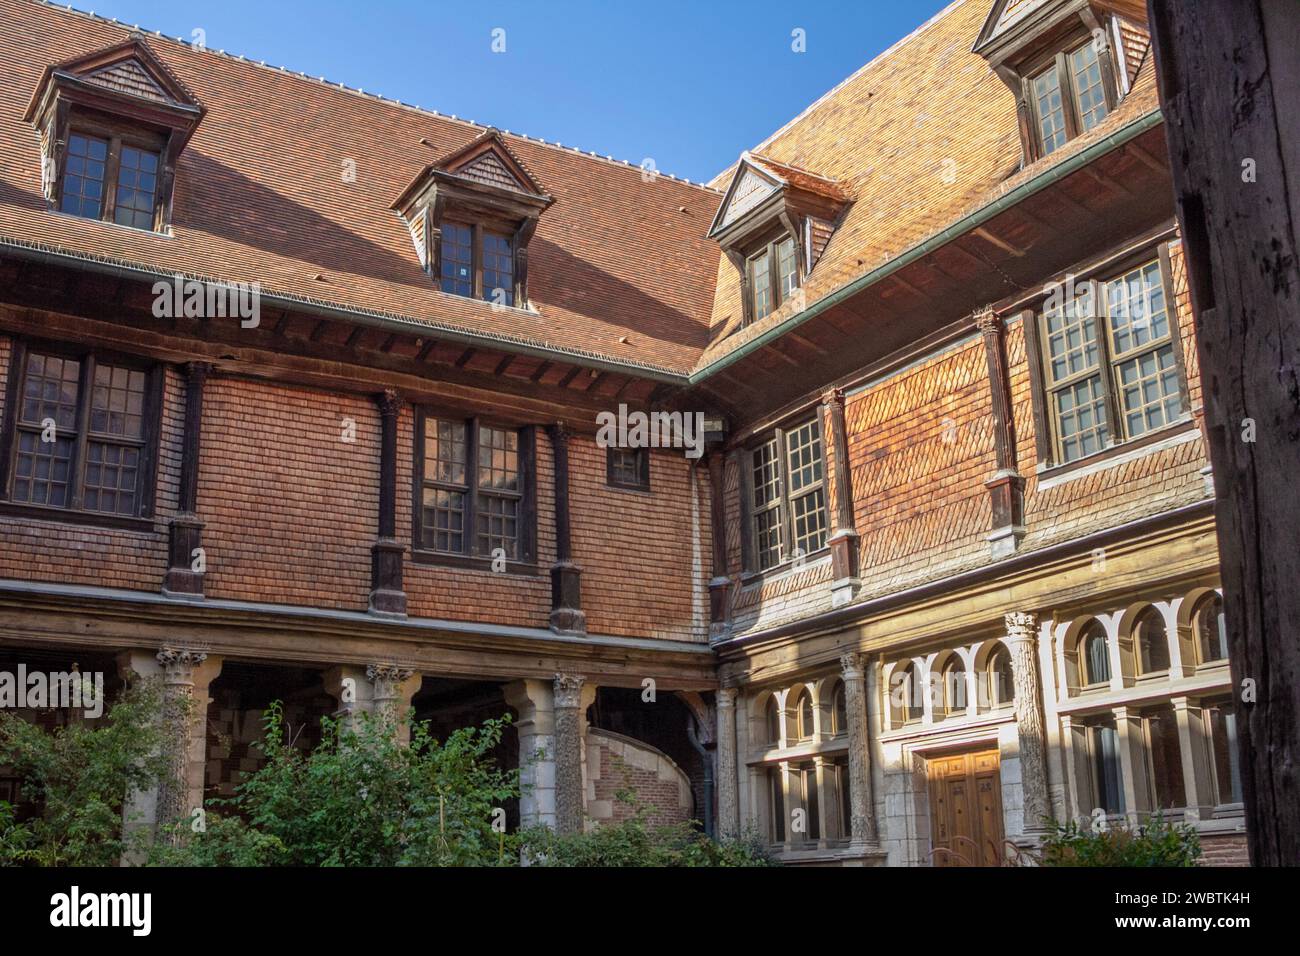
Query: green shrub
[
  {"x": 360, "y": 798},
  {"x": 81, "y": 775},
  {"x": 1156, "y": 842}
]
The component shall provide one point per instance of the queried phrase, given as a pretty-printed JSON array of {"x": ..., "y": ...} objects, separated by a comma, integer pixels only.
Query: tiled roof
[
  {"x": 260, "y": 196},
  {"x": 920, "y": 137}
]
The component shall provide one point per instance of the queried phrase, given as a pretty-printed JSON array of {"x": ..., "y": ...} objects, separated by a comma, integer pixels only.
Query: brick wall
[
  {"x": 1226, "y": 850},
  {"x": 615, "y": 763}
]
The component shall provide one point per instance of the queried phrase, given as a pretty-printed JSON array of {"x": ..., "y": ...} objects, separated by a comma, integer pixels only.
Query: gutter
[
  {"x": 1124, "y": 134},
  {"x": 854, "y": 613},
  {"x": 387, "y": 321}
]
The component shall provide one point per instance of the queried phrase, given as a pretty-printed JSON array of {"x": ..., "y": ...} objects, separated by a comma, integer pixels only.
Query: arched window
[
  {"x": 954, "y": 687},
  {"x": 839, "y": 711},
  {"x": 1210, "y": 632},
  {"x": 803, "y": 716},
  {"x": 1002, "y": 685},
  {"x": 1094, "y": 655},
  {"x": 772, "y": 719},
  {"x": 1152, "y": 640},
  {"x": 905, "y": 694}
]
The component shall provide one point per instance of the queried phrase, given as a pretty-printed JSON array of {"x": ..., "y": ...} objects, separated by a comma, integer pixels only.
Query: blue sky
[{"x": 687, "y": 85}]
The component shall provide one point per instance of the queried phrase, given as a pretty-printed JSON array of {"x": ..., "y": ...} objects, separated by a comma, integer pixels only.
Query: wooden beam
[{"x": 998, "y": 242}]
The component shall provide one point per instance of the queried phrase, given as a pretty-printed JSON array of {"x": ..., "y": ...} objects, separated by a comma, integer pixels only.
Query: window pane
[
  {"x": 50, "y": 391},
  {"x": 83, "y": 176},
  {"x": 1153, "y": 643},
  {"x": 1081, "y": 418},
  {"x": 1106, "y": 771},
  {"x": 1136, "y": 303},
  {"x": 498, "y": 525},
  {"x": 808, "y": 778},
  {"x": 1090, "y": 95},
  {"x": 809, "y": 515},
  {"x": 628, "y": 466},
  {"x": 498, "y": 269},
  {"x": 1051, "y": 114},
  {"x": 1223, "y": 742},
  {"x": 443, "y": 520},
  {"x": 1096, "y": 655},
  {"x": 457, "y": 259},
  {"x": 444, "y": 451},
  {"x": 41, "y": 470},
  {"x": 760, "y": 279},
  {"x": 1002, "y": 685},
  {"x": 839, "y": 711},
  {"x": 117, "y": 401},
  {"x": 767, "y": 534},
  {"x": 1148, "y": 386},
  {"x": 767, "y": 476},
  {"x": 804, "y": 446},
  {"x": 498, "y": 459},
  {"x": 787, "y": 267},
  {"x": 777, "y": 798},
  {"x": 1071, "y": 329},
  {"x": 1166, "y": 759},
  {"x": 137, "y": 184},
  {"x": 112, "y": 471}
]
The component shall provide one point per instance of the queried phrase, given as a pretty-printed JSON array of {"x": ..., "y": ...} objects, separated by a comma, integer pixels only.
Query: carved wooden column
[
  {"x": 185, "y": 558},
  {"x": 862, "y": 813},
  {"x": 728, "y": 801},
  {"x": 1022, "y": 641},
  {"x": 1006, "y": 487},
  {"x": 187, "y": 674},
  {"x": 844, "y": 538},
  {"x": 719, "y": 584},
  {"x": 387, "y": 595},
  {"x": 567, "y": 616}
]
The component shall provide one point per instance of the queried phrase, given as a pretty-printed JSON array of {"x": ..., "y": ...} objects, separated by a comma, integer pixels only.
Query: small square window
[{"x": 628, "y": 468}]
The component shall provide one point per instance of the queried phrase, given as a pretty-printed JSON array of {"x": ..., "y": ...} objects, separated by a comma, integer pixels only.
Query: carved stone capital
[
  {"x": 852, "y": 666},
  {"x": 179, "y": 663},
  {"x": 1021, "y": 625},
  {"x": 568, "y": 690},
  {"x": 388, "y": 672},
  {"x": 727, "y": 697},
  {"x": 988, "y": 321}
]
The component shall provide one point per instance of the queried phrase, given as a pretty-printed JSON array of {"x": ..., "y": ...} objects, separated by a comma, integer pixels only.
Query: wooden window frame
[
  {"x": 1046, "y": 425},
  {"x": 785, "y": 520},
  {"x": 117, "y": 135},
  {"x": 422, "y": 552},
  {"x": 478, "y": 225},
  {"x": 643, "y": 469},
  {"x": 151, "y": 430},
  {"x": 770, "y": 244},
  {"x": 1059, "y": 54}
]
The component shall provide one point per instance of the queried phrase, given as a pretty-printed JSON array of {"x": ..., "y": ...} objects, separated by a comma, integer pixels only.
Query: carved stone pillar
[
  {"x": 185, "y": 559},
  {"x": 534, "y": 701},
  {"x": 1022, "y": 641},
  {"x": 728, "y": 803},
  {"x": 844, "y": 539},
  {"x": 567, "y": 616},
  {"x": 569, "y": 803},
  {"x": 862, "y": 814},
  {"x": 1006, "y": 487},
  {"x": 384, "y": 690},
  {"x": 387, "y": 595}
]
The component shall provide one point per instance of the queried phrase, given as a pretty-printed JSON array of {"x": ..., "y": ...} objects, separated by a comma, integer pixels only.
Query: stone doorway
[{"x": 965, "y": 808}]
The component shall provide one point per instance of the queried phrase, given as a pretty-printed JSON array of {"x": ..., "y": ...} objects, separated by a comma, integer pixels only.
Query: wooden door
[{"x": 966, "y": 809}]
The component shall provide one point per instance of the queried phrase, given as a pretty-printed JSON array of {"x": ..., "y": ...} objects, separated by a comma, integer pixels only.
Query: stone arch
[
  {"x": 983, "y": 658},
  {"x": 1130, "y": 620}
]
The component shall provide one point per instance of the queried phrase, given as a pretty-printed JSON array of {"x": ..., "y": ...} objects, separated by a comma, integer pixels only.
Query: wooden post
[
  {"x": 567, "y": 616},
  {"x": 844, "y": 540},
  {"x": 1228, "y": 77},
  {"x": 185, "y": 558},
  {"x": 387, "y": 594},
  {"x": 1006, "y": 487}
]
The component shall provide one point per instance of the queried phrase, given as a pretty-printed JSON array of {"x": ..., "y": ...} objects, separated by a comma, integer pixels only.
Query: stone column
[
  {"x": 534, "y": 703},
  {"x": 844, "y": 540},
  {"x": 1132, "y": 762},
  {"x": 384, "y": 690},
  {"x": 569, "y": 790},
  {"x": 1021, "y": 641},
  {"x": 862, "y": 814},
  {"x": 185, "y": 675},
  {"x": 1194, "y": 751},
  {"x": 728, "y": 804}
]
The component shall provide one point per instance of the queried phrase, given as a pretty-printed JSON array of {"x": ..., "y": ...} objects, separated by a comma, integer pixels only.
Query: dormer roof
[
  {"x": 484, "y": 164},
  {"x": 758, "y": 181}
]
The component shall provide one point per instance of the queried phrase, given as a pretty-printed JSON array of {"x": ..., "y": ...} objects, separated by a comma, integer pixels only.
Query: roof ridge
[{"x": 358, "y": 91}]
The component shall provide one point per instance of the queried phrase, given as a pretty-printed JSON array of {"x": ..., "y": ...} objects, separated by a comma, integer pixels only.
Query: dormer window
[
  {"x": 471, "y": 216},
  {"x": 1066, "y": 62},
  {"x": 112, "y": 124},
  {"x": 774, "y": 222}
]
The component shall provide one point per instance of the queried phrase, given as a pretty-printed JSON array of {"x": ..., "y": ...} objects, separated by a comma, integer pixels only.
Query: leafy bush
[
  {"x": 636, "y": 842},
  {"x": 1154, "y": 843},
  {"x": 81, "y": 776},
  {"x": 360, "y": 798}
]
